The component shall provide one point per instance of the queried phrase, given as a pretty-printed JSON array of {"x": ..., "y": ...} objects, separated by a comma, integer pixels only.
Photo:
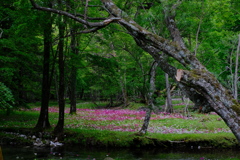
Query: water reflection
[{"x": 82, "y": 153}]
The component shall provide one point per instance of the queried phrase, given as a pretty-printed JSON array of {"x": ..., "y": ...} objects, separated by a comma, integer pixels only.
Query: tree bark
[
  {"x": 1, "y": 155},
  {"x": 169, "y": 107},
  {"x": 73, "y": 75},
  {"x": 43, "y": 120},
  {"x": 124, "y": 89},
  {"x": 150, "y": 99},
  {"x": 235, "y": 82},
  {"x": 146, "y": 121},
  {"x": 61, "y": 102}
]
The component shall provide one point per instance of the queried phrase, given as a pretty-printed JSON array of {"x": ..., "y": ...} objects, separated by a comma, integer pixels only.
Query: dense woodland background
[{"x": 45, "y": 56}]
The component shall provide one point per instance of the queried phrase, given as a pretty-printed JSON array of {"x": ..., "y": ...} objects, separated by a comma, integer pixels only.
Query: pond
[{"x": 82, "y": 153}]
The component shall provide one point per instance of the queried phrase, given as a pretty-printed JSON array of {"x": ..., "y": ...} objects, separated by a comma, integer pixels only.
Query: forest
[{"x": 120, "y": 52}]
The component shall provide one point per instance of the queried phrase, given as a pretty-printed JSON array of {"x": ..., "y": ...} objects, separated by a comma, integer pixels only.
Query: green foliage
[
  {"x": 6, "y": 97},
  {"x": 160, "y": 100},
  {"x": 19, "y": 48},
  {"x": 110, "y": 57},
  {"x": 90, "y": 105}
]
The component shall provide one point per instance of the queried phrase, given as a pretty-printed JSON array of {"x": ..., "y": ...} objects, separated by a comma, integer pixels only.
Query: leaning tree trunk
[{"x": 194, "y": 79}]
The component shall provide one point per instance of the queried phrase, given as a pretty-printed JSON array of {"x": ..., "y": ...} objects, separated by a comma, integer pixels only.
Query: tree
[
  {"x": 74, "y": 60},
  {"x": 193, "y": 78},
  {"x": 73, "y": 74},
  {"x": 6, "y": 98},
  {"x": 61, "y": 90},
  {"x": 43, "y": 120},
  {"x": 150, "y": 98},
  {"x": 169, "y": 107},
  {"x": 236, "y": 77}
]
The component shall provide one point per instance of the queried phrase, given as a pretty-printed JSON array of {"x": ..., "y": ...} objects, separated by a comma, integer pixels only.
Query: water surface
[{"x": 82, "y": 153}]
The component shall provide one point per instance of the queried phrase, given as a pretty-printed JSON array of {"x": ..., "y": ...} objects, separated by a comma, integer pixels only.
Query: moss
[
  {"x": 197, "y": 74},
  {"x": 235, "y": 101},
  {"x": 217, "y": 97},
  {"x": 194, "y": 74},
  {"x": 236, "y": 106},
  {"x": 176, "y": 45},
  {"x": 192, "y": 57},
  {"x": 142, "y": 141},
  {"x": 160, "y": 39},
  {"x": 155, "y": 37}
]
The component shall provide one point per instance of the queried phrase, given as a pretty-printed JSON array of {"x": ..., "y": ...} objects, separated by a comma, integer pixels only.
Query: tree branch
[
  {"x": 85, "y": 11},
  {"x": 85, "y": 22},
  {"x": 89, "y": 18},
  {"x": 149, "y": 41},
  {"x": 1, "y": 32},
  {"x": 170, "y": 14},
  {"x": 82, "y": 32}
]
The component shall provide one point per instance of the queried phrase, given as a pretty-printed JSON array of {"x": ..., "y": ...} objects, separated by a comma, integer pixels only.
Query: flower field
[
  {"x": 117, "y": 126},
  {"x": 131, "y": 121}
]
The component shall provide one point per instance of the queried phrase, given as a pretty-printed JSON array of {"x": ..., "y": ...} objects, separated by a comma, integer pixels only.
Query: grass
[{"x": 109, "y": 127}]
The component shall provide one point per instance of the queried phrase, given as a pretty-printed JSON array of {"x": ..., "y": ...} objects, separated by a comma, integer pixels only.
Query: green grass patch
[
  {"x": 136, "y": 106},
  {"x": 90, "y": 105},
  {"x": 101, "y": 127},
  {"x": 177, "y": 101}
]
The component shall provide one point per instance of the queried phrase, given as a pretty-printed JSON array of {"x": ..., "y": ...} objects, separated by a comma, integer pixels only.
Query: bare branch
[
  {"x": 89, "y": 30},
  {"x": 1, "y": 32},
  {"x": 174, "y": 7},
  {"x": 85, "y": 22},
  {"x": 80, "y": 32},
  {"x": 90, "y": 18},
  {"x": 85, "y": 11}
]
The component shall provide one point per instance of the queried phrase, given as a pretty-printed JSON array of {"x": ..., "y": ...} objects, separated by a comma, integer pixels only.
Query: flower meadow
[{"x": 132, "y": 120}]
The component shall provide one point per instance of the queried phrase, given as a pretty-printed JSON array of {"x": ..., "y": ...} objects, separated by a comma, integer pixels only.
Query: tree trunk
[
  {"x": 59, "y": 128},
  {"x": 146, "y": 121},
  {"x": 43, "y": 121},
  {"x": 1, "y": 155},
  {"x": 124, "y": 95},
  {"x": 73, "y": 75},
  {"x": 20, "y": 90},
  {"x": 150, "y": 99},
  {"x": 124, "y": 89},
  {"x": 235, "y": 82},
  {"x": 169, "y": 107},
  {"x": 72, "y": 97}
]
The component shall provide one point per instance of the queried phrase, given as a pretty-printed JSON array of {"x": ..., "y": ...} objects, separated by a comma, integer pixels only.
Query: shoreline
[{"x": 112, "y": 139}]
